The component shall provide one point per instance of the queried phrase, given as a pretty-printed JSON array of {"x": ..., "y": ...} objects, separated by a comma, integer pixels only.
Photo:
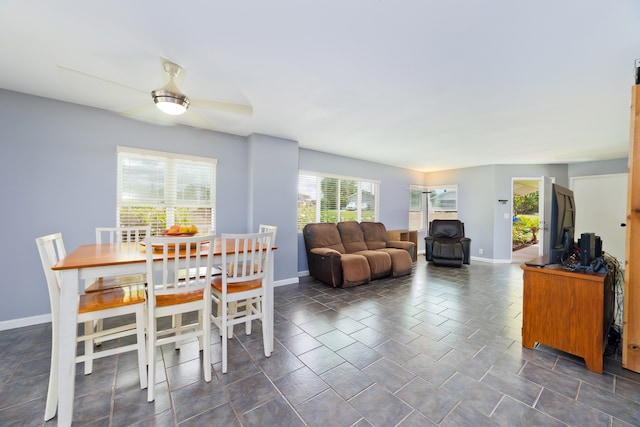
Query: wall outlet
[{"x": 481, "y": 251}]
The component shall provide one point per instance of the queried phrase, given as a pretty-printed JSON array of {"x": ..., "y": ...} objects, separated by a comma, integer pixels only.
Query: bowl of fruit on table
[{"x": 180, "y": 230}]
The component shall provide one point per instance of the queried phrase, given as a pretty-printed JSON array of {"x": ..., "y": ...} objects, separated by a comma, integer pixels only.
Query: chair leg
[
  {"x": 251, "y": 309},
  {"x": 142, "y": 347},
  {"x": 219, "y": 313},
  {"x": 151, "y": 355},
  {"x": 232, "y": 310},
  {"x": 98, "y": 326},
  {"x": 88, "y": 348},
  {"x": 177, "y": 324},
  {"x": 52, "y": 393},
  {"x": 224, "y": 331},
  {"x": 205, "y": 317},
  {"x": 201, "y": 344},
  {"x": 267, "y": 329}
]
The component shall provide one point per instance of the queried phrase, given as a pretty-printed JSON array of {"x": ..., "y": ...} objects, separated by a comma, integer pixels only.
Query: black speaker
[
  {"x": 587, "y": 248},
  {"x": 598, "y": 247}
]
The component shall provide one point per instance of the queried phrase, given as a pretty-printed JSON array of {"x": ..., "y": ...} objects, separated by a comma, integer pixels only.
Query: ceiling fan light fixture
[{"x": 170, "y": 103}]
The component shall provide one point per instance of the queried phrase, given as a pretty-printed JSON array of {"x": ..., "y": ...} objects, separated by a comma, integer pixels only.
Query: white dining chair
[
  {"x": 91, "y": 307},
  {"x": 245, "y": 269},
  {"x": 131, "y": 237},
  {"x": 264, "y": 228},
  {"x": 172, "y": 293},
  {"x": 233, "y": 306}
]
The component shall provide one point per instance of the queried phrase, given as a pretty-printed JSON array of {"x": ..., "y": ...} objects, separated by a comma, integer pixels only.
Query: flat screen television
[{"x": 562, "y": 223}]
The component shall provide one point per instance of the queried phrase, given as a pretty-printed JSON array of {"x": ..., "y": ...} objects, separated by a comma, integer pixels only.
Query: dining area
[{"x": 131, "y": 293}]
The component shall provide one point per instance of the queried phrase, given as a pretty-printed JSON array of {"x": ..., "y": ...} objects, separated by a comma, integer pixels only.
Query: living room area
[{"x": 487, "y": 99}]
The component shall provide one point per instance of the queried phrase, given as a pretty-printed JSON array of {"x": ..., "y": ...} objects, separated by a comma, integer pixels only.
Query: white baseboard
[
  {"x": 25, "y": 321},
  {"x": 289, "y": 281},
  {"x": 490, "y": 260},
  {"x": 303, "y": 273}
]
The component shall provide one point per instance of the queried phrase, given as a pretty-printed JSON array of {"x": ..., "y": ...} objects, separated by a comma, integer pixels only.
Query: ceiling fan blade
[
  {"x": 97, "y": 77},
  {"x": 228, "y": 107},
  {"x": 139, "y": 109},
  {"x": 197, "y": 120}
]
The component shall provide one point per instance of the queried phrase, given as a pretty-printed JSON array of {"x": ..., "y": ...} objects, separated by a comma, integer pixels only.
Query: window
[
  {"x": 442, "y": 201},
  {"x": 416, "y": 211},
  {"x": 328, "y": 198},
  {"x": 162, "y": 189}
]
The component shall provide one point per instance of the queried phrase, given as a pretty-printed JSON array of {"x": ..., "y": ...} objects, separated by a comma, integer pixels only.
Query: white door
[{"x": 601, "y": 206}]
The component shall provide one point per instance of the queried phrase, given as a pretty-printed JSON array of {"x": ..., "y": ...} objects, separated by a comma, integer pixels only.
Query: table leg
[{"x": 67, "y": 345}]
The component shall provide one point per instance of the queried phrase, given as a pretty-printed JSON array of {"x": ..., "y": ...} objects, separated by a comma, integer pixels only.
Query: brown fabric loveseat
[{"x": 351, "y": 253}]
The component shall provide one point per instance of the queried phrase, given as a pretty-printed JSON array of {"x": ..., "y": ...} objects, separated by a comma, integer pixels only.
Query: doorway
[{"x": 526, "y": 224}]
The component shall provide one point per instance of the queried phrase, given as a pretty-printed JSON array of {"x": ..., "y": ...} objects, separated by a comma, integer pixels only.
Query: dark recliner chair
[{"x": 446, "y": 243}]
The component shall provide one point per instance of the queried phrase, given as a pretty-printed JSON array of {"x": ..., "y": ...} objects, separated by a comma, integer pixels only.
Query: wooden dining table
[{"x": 108, "y": 260}]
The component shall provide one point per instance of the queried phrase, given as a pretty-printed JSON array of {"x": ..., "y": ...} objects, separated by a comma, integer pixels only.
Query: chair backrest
[
  {"x": 264, "y": 228},
  {"x": 375, "y": 234},
  {"x": 322, "y": 235},
  {"x": 122, "y": 234},
  {"x": 51, "y": 250},
  {"x": 241, "y": 262},
  {"x": 166, "y": 275},
  {"x": 446, "y": 228},
  {"x": 352, "y": 236}
]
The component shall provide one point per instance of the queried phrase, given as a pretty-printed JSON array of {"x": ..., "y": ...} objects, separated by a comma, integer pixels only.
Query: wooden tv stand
[{"x": 568, "y": 311}]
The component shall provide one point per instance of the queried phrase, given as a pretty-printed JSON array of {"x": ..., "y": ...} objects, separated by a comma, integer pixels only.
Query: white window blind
[
  {"x": 162, "y": 189},
  {"x": 443, "y": 202},
  {"x": 416, "y": 207},
  {"x": 330, "y": 198}
]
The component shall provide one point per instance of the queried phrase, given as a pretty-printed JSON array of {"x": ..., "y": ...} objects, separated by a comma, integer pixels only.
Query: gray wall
[
  {"x": 603, "y": 167},
  {"x": 273, "y": 197}
]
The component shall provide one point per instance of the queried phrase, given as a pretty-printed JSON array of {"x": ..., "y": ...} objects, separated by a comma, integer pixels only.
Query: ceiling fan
[{"x": 169, "y": 99}]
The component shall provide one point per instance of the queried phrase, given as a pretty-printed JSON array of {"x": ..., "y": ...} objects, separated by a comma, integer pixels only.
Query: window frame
[
  {"x": 417, "y": 213},
  {"x": 173, "y": 199},
  {"x": 320, "y": 214},
  {"x": 442, "y": 212}
]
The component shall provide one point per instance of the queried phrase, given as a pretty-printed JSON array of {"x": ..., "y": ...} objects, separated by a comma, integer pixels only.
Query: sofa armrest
[
  {"x": 466, "y": 249},
  {"x": 398, "y": 244},
  {"x": 326, "y": 265},
  {"x": 325, "y": 252},
  {"x": 428, "y": 247},
  {"x": 402, "y": 244}
]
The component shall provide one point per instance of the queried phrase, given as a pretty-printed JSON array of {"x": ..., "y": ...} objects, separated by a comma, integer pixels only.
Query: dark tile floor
[{"x": 439, "y": 347}]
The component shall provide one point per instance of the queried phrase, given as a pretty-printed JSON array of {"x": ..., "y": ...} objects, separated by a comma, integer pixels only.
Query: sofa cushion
[
  {"x": 351, "y": 236},
  {"x": 448, "y": 250},
  {"x": 323, "y": 235},
  {"x": 355, "y": 270},
  {"x": 375, "y": 234},
  {"x": 379, "y": 263},
  {"x": 401, "y": 261}
]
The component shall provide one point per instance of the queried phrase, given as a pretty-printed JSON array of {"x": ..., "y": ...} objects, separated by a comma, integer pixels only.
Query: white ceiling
[{"x": 421, "y": 84}]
